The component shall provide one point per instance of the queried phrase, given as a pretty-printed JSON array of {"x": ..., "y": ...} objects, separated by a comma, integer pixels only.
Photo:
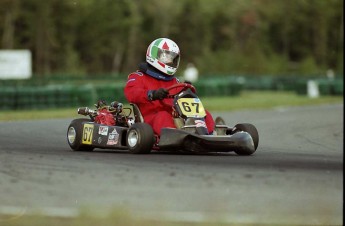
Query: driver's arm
[{"x": 135, "y": 89}]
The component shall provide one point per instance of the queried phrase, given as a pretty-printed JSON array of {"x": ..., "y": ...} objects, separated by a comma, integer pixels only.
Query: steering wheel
[
  {"x": 180, "y": 87},
  {"x": 176, "y": 89}
]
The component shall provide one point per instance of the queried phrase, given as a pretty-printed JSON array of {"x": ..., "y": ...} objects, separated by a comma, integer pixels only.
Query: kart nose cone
[
  {"x": 132, "y": 138},
  {"x": 71, "y": 134}
]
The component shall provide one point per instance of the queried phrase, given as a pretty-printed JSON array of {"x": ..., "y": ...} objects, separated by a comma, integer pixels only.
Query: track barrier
[{"x": 21, "y": 96}]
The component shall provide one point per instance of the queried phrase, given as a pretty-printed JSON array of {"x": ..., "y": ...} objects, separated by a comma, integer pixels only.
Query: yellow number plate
[
  {"x": 87, "y": 134},
  {"x": 191, "y": 107}
]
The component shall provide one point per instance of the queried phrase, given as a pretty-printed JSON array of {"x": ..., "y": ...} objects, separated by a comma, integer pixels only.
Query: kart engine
[{"x": 107, "y": 115}]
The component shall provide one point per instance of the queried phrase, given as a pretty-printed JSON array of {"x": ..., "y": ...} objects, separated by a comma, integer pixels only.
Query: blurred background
[{"x": 82, "y": 50}]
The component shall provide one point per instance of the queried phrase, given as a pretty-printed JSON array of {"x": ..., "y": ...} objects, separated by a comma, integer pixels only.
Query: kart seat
[{"x": 138, "y": 117}]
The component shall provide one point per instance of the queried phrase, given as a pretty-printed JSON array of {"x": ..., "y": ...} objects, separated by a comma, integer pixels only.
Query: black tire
[
  {"x": 140, "y": 138},
  {"x": 76, "y": 128},
  {"x": 251, "y": 129}
]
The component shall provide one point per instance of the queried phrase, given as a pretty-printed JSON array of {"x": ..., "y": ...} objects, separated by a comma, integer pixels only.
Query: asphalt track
[{"x": 295, "y": 177}]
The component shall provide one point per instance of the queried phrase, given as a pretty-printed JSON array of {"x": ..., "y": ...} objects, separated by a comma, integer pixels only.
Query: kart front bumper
[{"x": 174, "y": 139}]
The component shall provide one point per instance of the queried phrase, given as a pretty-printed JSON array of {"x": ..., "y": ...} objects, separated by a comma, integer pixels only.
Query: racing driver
[{"x": 146, "y": 87}]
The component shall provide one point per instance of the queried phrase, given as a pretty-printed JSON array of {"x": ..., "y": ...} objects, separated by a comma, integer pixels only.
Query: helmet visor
[{"x": 169, "y": 58}]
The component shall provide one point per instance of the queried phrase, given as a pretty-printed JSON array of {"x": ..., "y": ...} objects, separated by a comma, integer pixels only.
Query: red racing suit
[{"x": 154, "y": 112}]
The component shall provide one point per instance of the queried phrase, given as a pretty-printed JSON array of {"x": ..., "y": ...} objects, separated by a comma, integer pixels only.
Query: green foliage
[
  {"x": 308, "y": 65},
  {"x": 219, "y": 36}
]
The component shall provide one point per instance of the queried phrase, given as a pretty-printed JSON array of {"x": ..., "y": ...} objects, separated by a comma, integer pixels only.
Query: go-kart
[{"x": 117, "y": 127}]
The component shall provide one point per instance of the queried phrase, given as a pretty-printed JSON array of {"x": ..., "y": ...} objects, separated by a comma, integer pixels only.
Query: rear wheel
[
  {"x": 140, "y": 138},
  {"x": 75, "y": 133},
  {"x": 251, "y": 129}
]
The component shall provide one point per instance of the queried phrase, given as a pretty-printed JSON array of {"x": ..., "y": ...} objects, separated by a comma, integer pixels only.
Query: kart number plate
[
  {"x": 87, "y": 134},
  {"x": 191, "y": 107}
]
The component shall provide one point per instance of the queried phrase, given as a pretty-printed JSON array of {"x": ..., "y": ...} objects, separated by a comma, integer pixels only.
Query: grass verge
[
  {"x": 247, "y": 100},
  {"x": 265, "y": 100},
  {"x": 117, "y": 217}
]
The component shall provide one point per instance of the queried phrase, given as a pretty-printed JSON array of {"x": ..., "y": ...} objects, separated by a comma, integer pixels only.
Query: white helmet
[{"x": 164, "y": 55}]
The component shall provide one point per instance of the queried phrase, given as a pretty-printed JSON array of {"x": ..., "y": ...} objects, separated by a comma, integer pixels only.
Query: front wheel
[
  {"x": 75, "y": 133},
  {"x": 140, "y": 138},
  {"x": 251, "y": 129}
]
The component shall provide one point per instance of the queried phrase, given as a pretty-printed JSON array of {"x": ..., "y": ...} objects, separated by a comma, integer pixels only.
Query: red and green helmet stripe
[{"x": 154, "y": 48}]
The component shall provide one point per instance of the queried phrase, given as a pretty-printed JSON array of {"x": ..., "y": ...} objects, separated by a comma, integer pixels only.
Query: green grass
[
  {"x": 247, "y": 100},
  {"x": 265, "y": 100},
  {"x": 88, "y": 216},
  {"x": 37, "y": 114},
  {"x": 117, "y": 219},
  {"x": 123, "y": 217}
]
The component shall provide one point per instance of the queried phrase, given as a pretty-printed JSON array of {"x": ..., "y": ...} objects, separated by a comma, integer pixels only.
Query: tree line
[{"x": 219, "y": 36}]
